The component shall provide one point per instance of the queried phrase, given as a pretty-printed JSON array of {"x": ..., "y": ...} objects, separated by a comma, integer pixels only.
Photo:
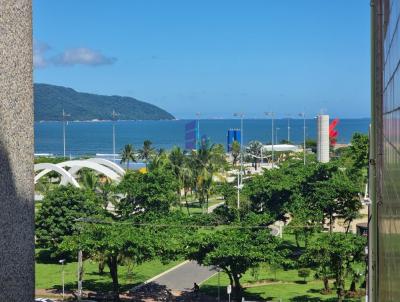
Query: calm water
[{"x": 96, "y": 137}]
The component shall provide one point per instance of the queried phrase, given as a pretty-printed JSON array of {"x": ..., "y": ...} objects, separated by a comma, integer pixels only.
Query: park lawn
[
  {"x": 195, "y": 208},
  {"x": 293, "y": 292},
  {"x": 265, "y": 274},
  {"x": 48, "y": 276},
  {"x": 287, "y": 286}
]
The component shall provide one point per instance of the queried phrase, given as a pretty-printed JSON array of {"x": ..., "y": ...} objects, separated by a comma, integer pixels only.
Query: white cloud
[
  {"x": 39, "y": 54},
  {"x": 82, "y": 56},
  {"x": 69, "y": 57}
]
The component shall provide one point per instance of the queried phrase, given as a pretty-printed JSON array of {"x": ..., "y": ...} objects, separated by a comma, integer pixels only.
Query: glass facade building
[{"x": 384, "y": 226}]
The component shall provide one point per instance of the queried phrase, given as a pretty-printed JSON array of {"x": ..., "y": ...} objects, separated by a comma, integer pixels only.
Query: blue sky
[{"x": 214, "y": 57}]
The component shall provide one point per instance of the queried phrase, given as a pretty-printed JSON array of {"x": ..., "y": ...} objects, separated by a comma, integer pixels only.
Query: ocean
[{"x": 89, "y": 138}]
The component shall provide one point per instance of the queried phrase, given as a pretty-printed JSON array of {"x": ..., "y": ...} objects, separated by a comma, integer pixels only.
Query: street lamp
[
  {"x": 240, "y": 174},
  {"x": 288, "y": 128},
  {"x": 303, "y": 115},
  {"x": 62, "y": 261},
  {"x": 272, "y": 114}
]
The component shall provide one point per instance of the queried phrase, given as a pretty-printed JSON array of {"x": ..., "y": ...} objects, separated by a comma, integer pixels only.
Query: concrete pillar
[
  {"x": 16, "y": 152},
  {"x": 323, "y": 138}
]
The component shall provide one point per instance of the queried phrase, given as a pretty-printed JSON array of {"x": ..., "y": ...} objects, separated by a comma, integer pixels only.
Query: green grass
[
  {"x": 293, "y": 292},
  {"x": 282, "y": 286},
  {"x": 48, "y": 276},
  {"x": 195, "y": 208}
]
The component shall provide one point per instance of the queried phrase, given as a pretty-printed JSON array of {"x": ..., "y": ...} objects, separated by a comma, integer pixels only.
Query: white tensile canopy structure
[
  {"x": 100, "y": 165},
  {"x": 281, "y": 148}
]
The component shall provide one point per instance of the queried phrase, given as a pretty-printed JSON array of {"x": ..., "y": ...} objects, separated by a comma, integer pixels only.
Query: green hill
[{"x": 50, "y": 100}]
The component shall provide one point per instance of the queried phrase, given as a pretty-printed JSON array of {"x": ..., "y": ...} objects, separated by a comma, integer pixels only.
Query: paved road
[
  {"x": 212, "y": 208},
  {"x": 183, "y": 277}
]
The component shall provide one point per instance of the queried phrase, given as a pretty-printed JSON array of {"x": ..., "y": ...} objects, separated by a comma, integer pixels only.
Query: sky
[{"x": 211, "y": 57}]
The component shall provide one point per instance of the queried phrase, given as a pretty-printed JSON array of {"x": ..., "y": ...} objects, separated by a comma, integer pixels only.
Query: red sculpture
[{"x": 333, "y": 133}]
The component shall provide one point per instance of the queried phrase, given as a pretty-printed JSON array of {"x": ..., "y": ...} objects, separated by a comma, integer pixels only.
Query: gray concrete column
[{"x": 16, "y": 152}]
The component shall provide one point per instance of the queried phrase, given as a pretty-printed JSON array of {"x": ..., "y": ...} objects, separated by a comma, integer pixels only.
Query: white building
[{"x": 323, "y": 138}]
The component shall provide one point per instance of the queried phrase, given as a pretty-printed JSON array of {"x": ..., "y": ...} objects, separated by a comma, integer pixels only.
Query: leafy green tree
[
  {"x": 317, "y": 255},
  {"x": 254, "y": 151},
  {"x": 235, "y": 152},
  {"x": 60, "y": 208},
  {"x": 359, "y": 150},
  {"x": 336, "y": 253},
  {"x": 130, "y": 188},
  {"x": 228, "y": 192},
  {"x": 146, "y": 152},
  {"x": 270, "y": 192},
  {"x": 324, "y": 197},
  {"x": 337, "y": 197},
  {"x": 128, "y": 155},
  {"x": 225, "y": 214},
  {"x": 234, "y": 251},
  {"x": 135, "y": 242},
  {"x": 304, "y": 273},
  {"x": 305, "y": 221},
  {"x": 348, "y": 198},
  {"x": 154, "y": 191}
]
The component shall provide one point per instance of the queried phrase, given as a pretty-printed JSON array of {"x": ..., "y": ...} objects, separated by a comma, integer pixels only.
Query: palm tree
[
  {"x": 208, "y": 186},
  {"x": 146, "y": 152},
  {"x": 89, "y": 179},
  {"x": 177, "y": 159},
  {"x": 158, "y": 161},
  {"x": 128, "y": 154},
  {"x": 204, "y": 163},
  {"x": 187, "y": 182},
  {"x": 106, "y": 191}
]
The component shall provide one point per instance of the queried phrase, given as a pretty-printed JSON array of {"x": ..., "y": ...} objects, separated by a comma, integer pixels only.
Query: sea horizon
[{"x": 91, "y": 137}]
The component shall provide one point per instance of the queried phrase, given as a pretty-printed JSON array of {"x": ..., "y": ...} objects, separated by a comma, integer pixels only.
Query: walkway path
[
  {"x": 212, "y": 208},
  {"x": 183, "y": 276}
]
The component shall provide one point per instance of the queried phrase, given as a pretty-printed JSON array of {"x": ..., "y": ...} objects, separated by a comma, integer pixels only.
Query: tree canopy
[
  {"x": 134, "y": 241},
  {"x": 235, "y": 250},
  {"x": 334, "y": 254},
  {"x": 153, "y": 191},
  {"x": 60, "y": 208}
]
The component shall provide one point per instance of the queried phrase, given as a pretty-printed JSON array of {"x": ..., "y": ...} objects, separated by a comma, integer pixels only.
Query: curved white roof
[
  {"x": 66, "y": 176},
  {"x": 103, "y": 166},
  {"x": 109, "y": 164}
]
